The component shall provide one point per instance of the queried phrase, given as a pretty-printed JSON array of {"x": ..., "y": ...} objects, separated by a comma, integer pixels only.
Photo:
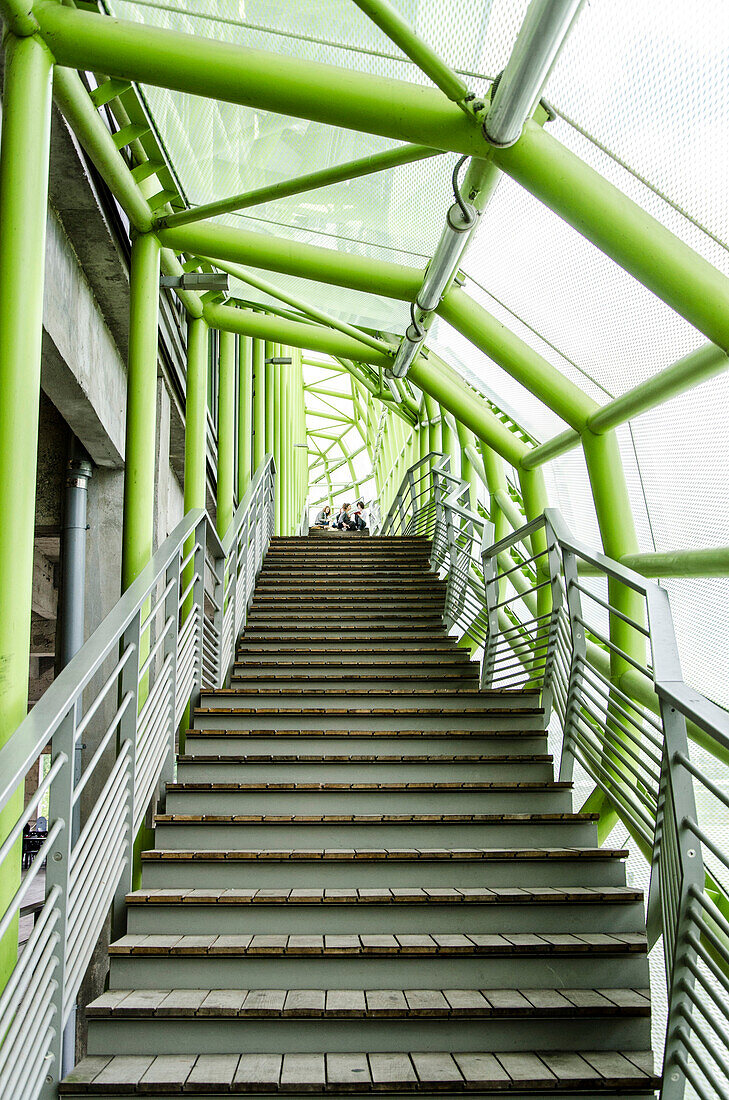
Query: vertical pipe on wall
[
  {"x": 139, "y": 459},
  {"x": 23, "y": 212},
  {"x": 269, "y": 391},
  {"x": 196, "y": 413},
  {"x": 226, "y": 432},
  {"x": 245, "y": 414},
  {"x": 276, "y": 393}
]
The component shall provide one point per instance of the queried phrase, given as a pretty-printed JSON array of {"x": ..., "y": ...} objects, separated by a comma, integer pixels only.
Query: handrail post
[
  {"x": 219, "y": 620},
  {"x": 58, "y": 875},
  {"x": 128, "y": 685},
  {"x": 198, "y": 603},
  {"x": 578, "y": 657},
  {"x": 171, "y": 611},
  {"x": 554, "y": 563},
  {"x": 491, "y": 586}
]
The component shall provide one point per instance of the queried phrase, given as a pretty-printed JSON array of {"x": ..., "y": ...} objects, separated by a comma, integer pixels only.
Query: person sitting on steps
[
  {"x": 359, "y": 516},
  {"x": 345, "y": 520},
  {"x": 324, "y": 518}
]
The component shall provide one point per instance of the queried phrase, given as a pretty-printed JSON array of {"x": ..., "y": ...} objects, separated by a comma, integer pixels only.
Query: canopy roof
[{"x": 640, "y": 92}]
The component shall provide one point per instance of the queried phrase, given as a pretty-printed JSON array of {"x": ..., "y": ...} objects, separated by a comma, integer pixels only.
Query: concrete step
[
  {"x": 364, "y": 866},
  {"x": 409, "y": 960},
  {"x": 208, "y": 831},
  {"x": 454, "y": 797},
  {"x": 540, "y": 1075},
  {"x": 306, "y": 767},
  {"x": 318, "y": 1020},
  {"x": 319, "y": 680},
  {"x": 444, "y": 658},
  {"x": 289, "y": 739},
  {"x": 378, "y": 646},
  {"x": 316, "y": 910},
  {"x": 357, "y": 721},
  {"x": 404, "y": 700}
]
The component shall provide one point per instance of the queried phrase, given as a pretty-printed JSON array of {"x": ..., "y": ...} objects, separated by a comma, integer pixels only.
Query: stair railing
[
  {"x": 130, "y": 687},
  {"x": 537, "y": 607}
]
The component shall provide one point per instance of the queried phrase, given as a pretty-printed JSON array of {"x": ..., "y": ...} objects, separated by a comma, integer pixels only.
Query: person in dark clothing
[
  {"x": 345, "y": 520},
  {"x": 359, "y": 515}
]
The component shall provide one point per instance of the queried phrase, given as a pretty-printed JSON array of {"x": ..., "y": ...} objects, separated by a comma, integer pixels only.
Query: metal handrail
[
  {"x": 130, "y": 687},
  {"x": 532, "y": 607}
]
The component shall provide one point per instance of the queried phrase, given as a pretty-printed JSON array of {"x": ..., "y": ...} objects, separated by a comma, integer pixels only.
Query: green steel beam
[
  {"x": 354, "y": 169},
  {"x": 192, "y": 301},
  {"x": 314, "y": 337},
  {"x": 434, "y": 377},
  {"x": 88, "y": 126},
  {"x": 226, "y": 433},
  {"x": 306, "y": 261},
  {"x": 316, "y": 314},
  {"x": 277, "y": 429},
  {"x": 318, "y": 391},
  {"x": 517, "y": 358},
  {"x": 141, "y": 418},
  {"x": 406, "y": 112},
  {"x": 711, "y": 561},
  {"x": 399, "y": 31},
  {"x": 270, "y": 396},
  {"x": 245, "y": 415},
  {"x": 23, "y": 214},
  {"x": 18, "y": 17},
  {"x": 689, "y": 371}
]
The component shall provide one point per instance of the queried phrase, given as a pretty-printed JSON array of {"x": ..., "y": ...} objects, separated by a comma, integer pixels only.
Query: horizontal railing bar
[
  {"x": 698, "y": 1058},
  {"x": 613, "y": 647},
  {"x": 189, "y": 556},
  {"x": 589, "y": 669},
  {"x": 169, "y": 622},
  {"x": 106, "y": 687},
  {"x": 110, "y": 731},
  {"x": 158, "y": 603},
  {"x": 610, "y": 714},
  {"x": 49, "y": 913},
  {"x": 191, "y": 584},
  {"x": 607, "y": 782},
  {"x": 17, "y": 899},
  {"x": 609, "y": 608},
  {"x": 118, "y": 776},
  {"x": 520, "y": 595},
  {"x": 688, "y": 764},
  {"x": 14, "y": 834}
]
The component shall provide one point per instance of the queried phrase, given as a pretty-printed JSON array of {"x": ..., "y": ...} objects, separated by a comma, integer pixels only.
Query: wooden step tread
[
  {"x": 375, "y": 819},
  {"x": 382, "y": 855},
  {"x": 266, "y": 733},
  {"x": 337, "y": 788},
  {"x": 393, "y": 895},
  {"x": 414, "y": 673},
  {"x": 390, "y": 712},
  {"x": 344, "y": 660},
  {"x": 352, "y": 944},
  {"x": 602, "y": 1071},
  {"x": 369, "y": 1003},
  {"x": 359, "y": 758}
]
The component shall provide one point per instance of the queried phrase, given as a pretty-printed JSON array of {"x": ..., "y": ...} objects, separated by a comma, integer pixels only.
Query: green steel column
[
  {"x": 245, "y": 413},
  {"x": 259, "y": 403},
  {"x": 139, "y": 462},
  {"x": 496, "y": 480},
  {"x": 466, "y": 438},
  {"x": 285, "y": 444},
  {"x": 270, "y": 396},
  {"x": 276, "y": 393},
  {"x": 617, "y": 530},
  {"x": 434, "y": 427},
  {"x": 23, "y": 212},
  {"x": 226, "y": 432},
  {"x": 196, "y": 394}
]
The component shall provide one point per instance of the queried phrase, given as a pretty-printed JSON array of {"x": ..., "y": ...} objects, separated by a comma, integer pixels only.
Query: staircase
[{"x": 366, "y": 877}]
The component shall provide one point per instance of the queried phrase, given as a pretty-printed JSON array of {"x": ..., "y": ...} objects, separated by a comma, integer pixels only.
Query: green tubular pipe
[
  {"x": 307, "y": 261},
  {"x": 141, "y": 419},
  {"x": 617, "y": 531},
  {"x": 433, "y": 414},
  {"x": 23, "y": 213},
  {"x": 621, "y": 229},
  {"x": 316, "y": 314},
  {"x": 517, "y": 358},
  {"x": 467, "y": 439},
  {"x": 18, "y": 17},
  {"x": 276, "y": 387},
  {"x": 446, "y": 386},
  {"x": 245, "y": 415},
  {"x": 88, "y": 126},
  {"x": 259, "y": 403},
  {"x": 314, "y": 337},
  {"x": 691, "y": 370},
  {"x": 226, "y": 433},
  {"x": 399, "y": 31},
  {"x": 358, "y": 101},
  {"x": 354, "y": 169},
  {"x": 270, "y": 396},
  {"x": 709, "y": 562},
  {"x": 191, "y": 301}
]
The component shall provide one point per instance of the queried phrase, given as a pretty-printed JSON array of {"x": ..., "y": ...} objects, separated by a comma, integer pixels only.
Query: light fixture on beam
[
  {"x": 195, "y": 280},
  {"x": 543, "y": 32},
  {"x": 461, "y": 219},
  {"x": 389, "y": 377},
  {"x": 279, "y": 361}
]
